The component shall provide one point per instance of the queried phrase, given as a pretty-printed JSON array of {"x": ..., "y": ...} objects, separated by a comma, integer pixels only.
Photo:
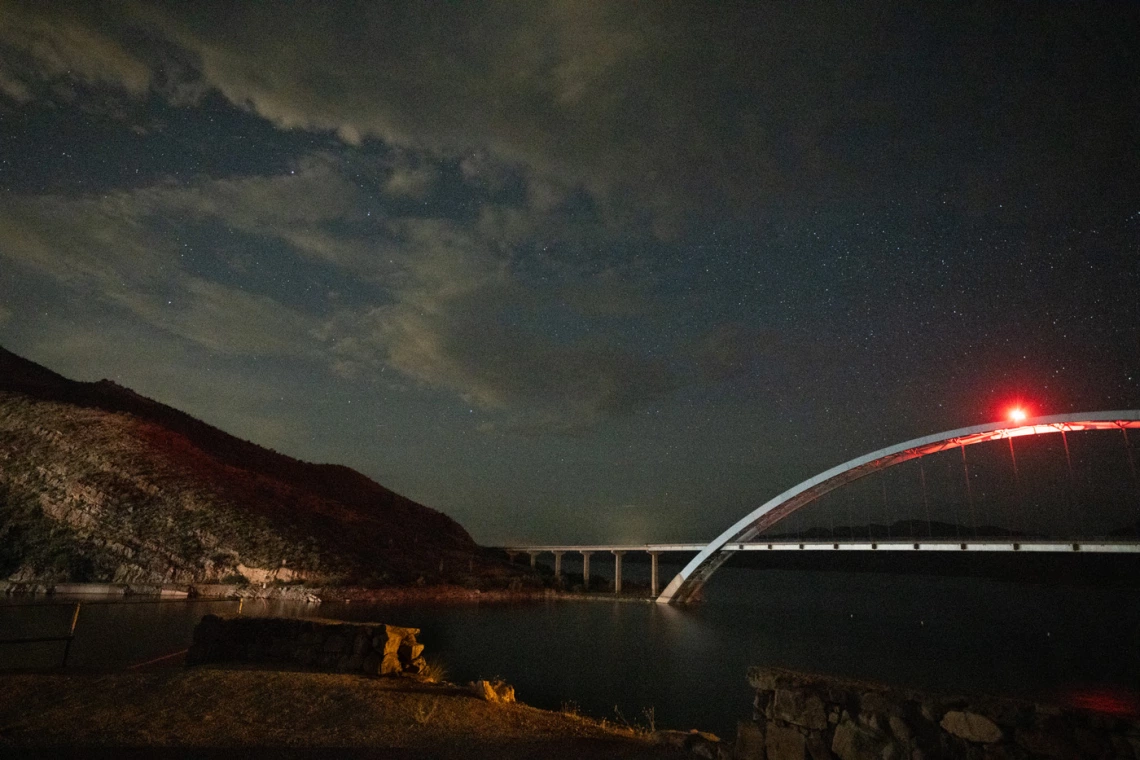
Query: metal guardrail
[
  {"x": 75, "y": 620},
  {"x": 44, "y": 639}
]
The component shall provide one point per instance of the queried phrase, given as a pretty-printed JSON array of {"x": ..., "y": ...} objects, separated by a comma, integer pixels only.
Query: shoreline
[
  {"x": 441, "y": 594},
  {"x": 198, "y": 711}
]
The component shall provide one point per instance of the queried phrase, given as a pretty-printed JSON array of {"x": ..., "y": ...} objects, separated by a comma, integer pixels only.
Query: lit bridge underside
[
  {"x": 898, "y": 545},
  {"x": 687, "y": 584}
]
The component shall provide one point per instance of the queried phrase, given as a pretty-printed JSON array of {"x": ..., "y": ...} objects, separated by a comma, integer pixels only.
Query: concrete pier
[
  {"x": 1102, "y": 546},
  {"x": 653, "y": 573}
]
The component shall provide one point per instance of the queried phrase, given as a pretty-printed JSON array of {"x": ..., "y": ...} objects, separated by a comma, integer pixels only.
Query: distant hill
[{"x": 99, "y": 483}]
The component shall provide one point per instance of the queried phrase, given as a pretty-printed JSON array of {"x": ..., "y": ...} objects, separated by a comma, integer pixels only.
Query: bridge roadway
[{"x": 1102, "y": 546}]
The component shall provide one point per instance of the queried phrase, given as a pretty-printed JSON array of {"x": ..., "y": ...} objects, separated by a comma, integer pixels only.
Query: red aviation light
[{"x": 1017, "y": 414}]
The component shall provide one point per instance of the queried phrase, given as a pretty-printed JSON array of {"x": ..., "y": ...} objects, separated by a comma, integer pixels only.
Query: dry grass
[
  {"x": 200, "y": 711},
  {"x": 434, "y": 671}
]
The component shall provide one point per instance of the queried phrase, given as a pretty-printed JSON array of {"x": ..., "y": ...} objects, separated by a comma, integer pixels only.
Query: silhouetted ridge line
[
  {"x": 332, "y": 481},
  {"x": 101, "y": 484}
]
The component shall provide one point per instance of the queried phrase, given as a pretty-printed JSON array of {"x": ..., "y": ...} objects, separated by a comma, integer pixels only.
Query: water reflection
[{"x": 687, "y": 665}]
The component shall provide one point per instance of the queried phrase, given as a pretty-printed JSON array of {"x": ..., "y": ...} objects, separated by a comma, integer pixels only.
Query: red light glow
[
  {"x": 1017, "y": 414},
  {"x": 1108, "y": 700}
]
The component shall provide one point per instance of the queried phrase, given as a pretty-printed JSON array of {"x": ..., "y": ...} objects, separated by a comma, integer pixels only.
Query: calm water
[{"x": 687, "y": 665}]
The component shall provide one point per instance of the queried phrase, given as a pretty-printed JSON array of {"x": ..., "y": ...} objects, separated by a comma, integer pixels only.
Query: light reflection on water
[{"x": 687, "y": 665}]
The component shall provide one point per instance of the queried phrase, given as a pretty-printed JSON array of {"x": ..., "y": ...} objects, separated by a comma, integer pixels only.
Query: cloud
[
  {"x": 13, "y": 88},
  {"x": 131, "y": 229},
  {"x": 469, "y": 348},
  {"x": 115, "y": 248},
  {"x": 87, "y": 242},
  {"x": 460, "y": 320},
  {"x": 544, "y": 89},
  {"x": 300, "y": 208},
  {"x": 568, "y": 95},
  {"x": 662, "y": 115},
  {"x": 223, "y": 319},
  {"x": 440, "y": 304},
  {"x": 411, "y": 180},
  {"x": 51, "y": 45}
]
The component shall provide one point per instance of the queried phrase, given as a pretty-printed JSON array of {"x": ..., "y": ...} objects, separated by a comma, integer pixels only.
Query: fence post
[{"x": 70, "y": 634}]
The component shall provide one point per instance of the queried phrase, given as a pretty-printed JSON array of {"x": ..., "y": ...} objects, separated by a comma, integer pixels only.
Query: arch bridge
[{"x": 687, "y": 584}]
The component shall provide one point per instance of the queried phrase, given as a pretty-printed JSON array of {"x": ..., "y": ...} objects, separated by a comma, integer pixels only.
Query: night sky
[{"x": 577, "y": 271}]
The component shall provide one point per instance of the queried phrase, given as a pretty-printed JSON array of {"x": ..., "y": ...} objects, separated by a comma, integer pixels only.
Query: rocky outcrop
[
  {"x": 695, "y": 743},
  {"x": 971, "y": 727},
  {"x": 311, "y": 643},
  {"x": 497, "y": 692},
  {"x": 799, "y": 716}
]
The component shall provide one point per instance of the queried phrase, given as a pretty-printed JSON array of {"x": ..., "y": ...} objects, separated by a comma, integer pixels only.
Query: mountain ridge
[
  {"x": 94, "y": 476},
  {"x": 22, "y": 375}
]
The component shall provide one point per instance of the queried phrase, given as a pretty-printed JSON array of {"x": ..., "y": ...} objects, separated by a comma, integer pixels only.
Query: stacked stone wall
[
  {"x": 807, "y": 717},
  {"x": 315, "y": 644}
]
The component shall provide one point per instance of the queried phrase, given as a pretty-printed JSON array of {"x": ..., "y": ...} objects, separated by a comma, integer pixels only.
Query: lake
[{"x": 686, "y": 667}]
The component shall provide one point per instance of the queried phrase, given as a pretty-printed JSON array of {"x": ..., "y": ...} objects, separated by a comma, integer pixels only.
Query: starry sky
[{"x": 577, "y": 271}]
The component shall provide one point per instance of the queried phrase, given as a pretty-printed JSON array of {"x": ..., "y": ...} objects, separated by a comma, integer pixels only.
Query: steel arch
[{"x": 687, "y": 583}]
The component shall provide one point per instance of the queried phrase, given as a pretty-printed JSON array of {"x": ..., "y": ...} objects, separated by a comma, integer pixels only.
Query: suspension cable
[
  {"x": 1017, "y": 489},
  {"x": 1132, "y": 467},
  {"x": 969, "y": 491},
  {"x": 925, "y": 501},
  {"x": 1073, "y": 487},
  {"x": 886, "y": 507}
]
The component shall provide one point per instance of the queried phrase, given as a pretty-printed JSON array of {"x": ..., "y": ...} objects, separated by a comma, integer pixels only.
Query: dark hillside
[
  {"x": 331, "y": 481},
  {"x": 100, "y": 483}
]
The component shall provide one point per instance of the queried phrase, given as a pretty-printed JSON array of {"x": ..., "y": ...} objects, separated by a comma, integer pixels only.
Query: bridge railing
[{"x": 1105, "y": 546}]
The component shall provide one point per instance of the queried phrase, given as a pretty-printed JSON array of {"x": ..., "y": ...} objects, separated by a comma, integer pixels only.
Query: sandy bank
[{"x": 200, "y": 712}]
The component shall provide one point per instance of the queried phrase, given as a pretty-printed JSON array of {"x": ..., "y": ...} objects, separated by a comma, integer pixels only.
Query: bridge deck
[{"x": 904, "y": 545}]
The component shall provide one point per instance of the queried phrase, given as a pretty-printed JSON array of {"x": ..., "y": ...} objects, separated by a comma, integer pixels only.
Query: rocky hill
[{"x": 98, "y": 483}]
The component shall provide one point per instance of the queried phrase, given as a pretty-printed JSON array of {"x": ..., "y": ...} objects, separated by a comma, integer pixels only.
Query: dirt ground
[{"x": 206, "y": 712}]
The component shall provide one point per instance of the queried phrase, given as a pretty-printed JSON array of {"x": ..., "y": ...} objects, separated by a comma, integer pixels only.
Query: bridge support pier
[
  {"x": 586, "y": 570},
  {"x": 617, "y": 570},
  {"x": 511, "y": 557},
  {"x": 653, "y": 573},
  {"x": 534, "y": 559},
  {"x": 558, "y": 565}
]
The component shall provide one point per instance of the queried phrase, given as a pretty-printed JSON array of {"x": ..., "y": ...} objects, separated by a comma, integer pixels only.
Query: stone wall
[
  {"x": 806, "y": 717},
  {"x": 312, "y": 643}
]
